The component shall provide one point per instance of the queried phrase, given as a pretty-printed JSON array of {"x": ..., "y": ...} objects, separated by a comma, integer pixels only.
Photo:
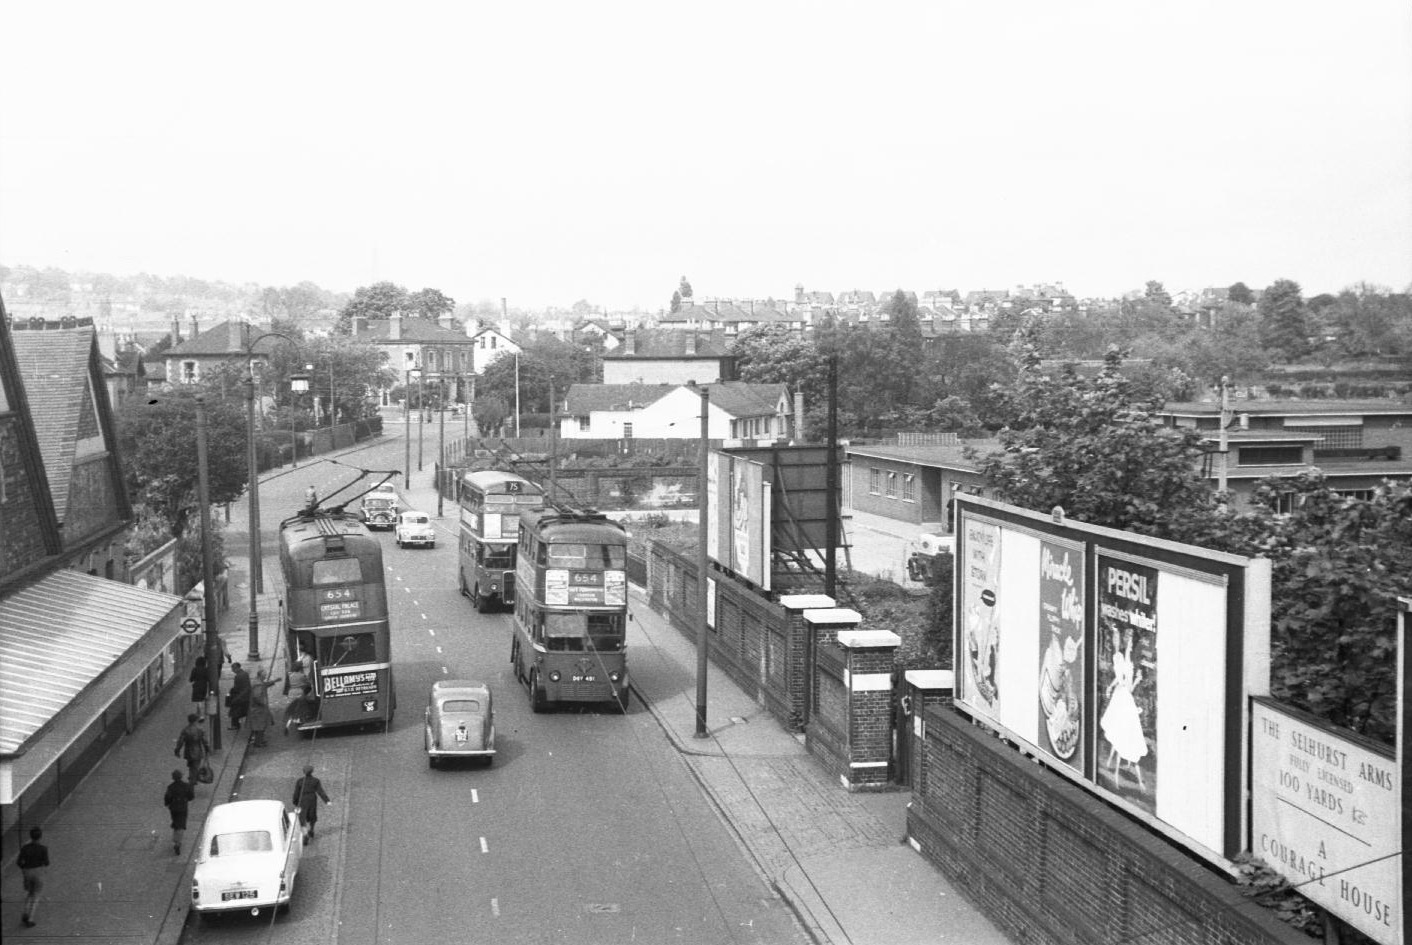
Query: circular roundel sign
[{"x": 191, "y": 625}]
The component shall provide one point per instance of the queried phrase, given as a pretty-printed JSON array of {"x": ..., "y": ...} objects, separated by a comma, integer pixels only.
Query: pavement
[{"x": 839, "y": 859}]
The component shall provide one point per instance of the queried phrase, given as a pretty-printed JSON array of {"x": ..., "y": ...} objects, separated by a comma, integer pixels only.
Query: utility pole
[
  {"x": 208, "y": 575},
  {"x": 831, "y": 480},
  {"x": 407, "y": 425},
  {"x": 421, "y": 413},
  {"x": 703, "y": 641},
  {"x": 517, "y": 394},
  {"x": 441, "y": 446},
  {"x": 553, "y": 445}
]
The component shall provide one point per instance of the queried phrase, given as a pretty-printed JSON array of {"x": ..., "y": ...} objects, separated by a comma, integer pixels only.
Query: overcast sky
[{"x": 549, "y": 152}]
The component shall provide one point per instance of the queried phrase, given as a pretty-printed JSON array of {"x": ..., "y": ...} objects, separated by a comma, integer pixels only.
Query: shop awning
[{"x": 58, "y": 636}]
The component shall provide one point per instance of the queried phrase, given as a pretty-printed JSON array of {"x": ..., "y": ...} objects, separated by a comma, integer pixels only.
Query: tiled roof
[
  {"x": 582, "y": 399},
  {"x": 227, "y": 339},
  {"x": 671, "y": 343},
  {"x": 741, "y": 399},
  {"x": 414, "y": 331},
  {"x": 54, "y": 366}
]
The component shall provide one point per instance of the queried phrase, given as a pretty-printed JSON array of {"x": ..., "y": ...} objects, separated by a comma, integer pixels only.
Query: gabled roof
[
  {"x": 941, "y": 456},
  {"x": 226, "y": 340},
  {"x": 1291, "y": 408},
  {"x": 741, "y": 399},
  {"x": 55, "y": 368},
  {"x": 28, "y": 472},
  {"x": 583, "y": 399}
]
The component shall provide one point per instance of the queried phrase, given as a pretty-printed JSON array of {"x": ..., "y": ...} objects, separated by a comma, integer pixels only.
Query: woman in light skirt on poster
[{"x": 1122, "y": 719}]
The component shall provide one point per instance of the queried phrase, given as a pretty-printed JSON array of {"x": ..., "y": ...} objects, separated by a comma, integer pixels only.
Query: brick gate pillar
[
  {"x": 920, "y": 688},
  {"x": 799, "y": 635},
  {"x": 868, "y": 678}
]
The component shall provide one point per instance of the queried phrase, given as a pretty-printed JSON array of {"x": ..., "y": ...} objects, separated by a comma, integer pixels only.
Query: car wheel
[
  {"x": 461, "y": 580},
  {"x": 624, "y": 699},
  {"x": 431, "y": 762},
  {"x": 482, "y": 601},
  {"x": 538, "y": 703}
]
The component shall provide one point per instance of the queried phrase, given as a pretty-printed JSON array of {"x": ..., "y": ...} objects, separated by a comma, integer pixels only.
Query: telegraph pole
[
  {"x": 703, "y": 641},
  {"x": 208, "y": 576},
  {"x": 441, "y": 445}
]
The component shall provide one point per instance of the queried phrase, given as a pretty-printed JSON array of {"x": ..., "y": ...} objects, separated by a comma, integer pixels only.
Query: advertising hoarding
[
  {"x": 738, "y": 517},
  {"x": 1115, "y": 659},
  {"x": 1325, "y": 814}
]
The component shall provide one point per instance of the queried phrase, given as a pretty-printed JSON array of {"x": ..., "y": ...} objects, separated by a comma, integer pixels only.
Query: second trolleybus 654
[
  {"x": 336, "y": 610},
  {"x": 571, "y": 608},
  {"x": 491, "y": 502}
]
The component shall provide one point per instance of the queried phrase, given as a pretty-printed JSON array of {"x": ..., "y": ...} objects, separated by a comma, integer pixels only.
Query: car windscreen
[
  {"x": 242, "y": 841},
  {"x": 460, "y": 705},
  {"x": 414, "y": 520}
]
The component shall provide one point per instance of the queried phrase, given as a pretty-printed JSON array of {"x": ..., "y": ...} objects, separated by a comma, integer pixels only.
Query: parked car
[
  {"x": 379, "y": 510},
  {"x": 248, "y": 858},
  {"x": 414, "y": 528},
  {"x": 460, "y": 721}
]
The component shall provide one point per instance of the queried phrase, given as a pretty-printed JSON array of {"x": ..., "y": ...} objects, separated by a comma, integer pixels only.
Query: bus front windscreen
[
  {"x": 498, "y": 557},
  {"x": 347, "y": 649},
  {"x": 575, "y": 632}
]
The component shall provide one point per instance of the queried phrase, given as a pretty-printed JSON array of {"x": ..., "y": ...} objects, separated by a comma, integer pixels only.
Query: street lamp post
[
  {"x": 441, "y": 443},
  {"x": 257, "y": 575},
  {"x": 421, "y": 414},
  {"x": 407, "y": 427}
]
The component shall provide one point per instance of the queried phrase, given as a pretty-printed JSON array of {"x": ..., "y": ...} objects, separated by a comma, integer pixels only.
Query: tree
[
  {"x": 1339, "y": 566},
  {"x": 544, "y": 361},
  {"x": 379, "y": 300},
  {"x": 1284, "y": 324},
  {"x": 1157, "y": 294},
  {"x": 1092, "y": 445},
  {"x": 773, "y": 354},
  {"x": 157, "y": 443},
  {"x": 685, "y": 288},
  {"x": 1240, "y": 293},
  {"x": 676, "y": 301},
  {"x": 489, "y": 413},
  {"x": 430, "y": 303}
]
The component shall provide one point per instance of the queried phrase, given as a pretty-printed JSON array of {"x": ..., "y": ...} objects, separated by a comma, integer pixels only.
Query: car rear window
[
  {"x": 244, "y": 841},
  {"x": 460, "y": 705}
]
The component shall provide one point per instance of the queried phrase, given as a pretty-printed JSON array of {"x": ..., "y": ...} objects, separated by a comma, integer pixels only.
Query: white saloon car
[
  {"x": 248, "y": 858},
  {"x": 414, "y": 528}
]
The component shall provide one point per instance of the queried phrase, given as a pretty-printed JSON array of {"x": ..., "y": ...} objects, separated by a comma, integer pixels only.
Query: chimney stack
[
  {"x": 690, "y": 343},
  {"x": 630, "y": 342},
  {"x": 444, "y": 320},
  {"x": 176, "y": 330},
  {"x": 798, "y": 416},
  {"x": 394, "y": 327}
]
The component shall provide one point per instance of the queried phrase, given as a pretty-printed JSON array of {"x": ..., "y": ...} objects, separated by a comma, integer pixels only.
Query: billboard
[
  {"x": 1325, "y": 814},
  {"x": 738, "y": 517},
  {"x": 1115, "y": 659}
]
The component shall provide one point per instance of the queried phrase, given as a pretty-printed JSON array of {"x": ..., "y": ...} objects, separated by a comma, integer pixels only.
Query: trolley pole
[
  {"x": 703, "y": 642},
  {"x": 208, "y": 576},
  {"x": 407, "y": 426}
]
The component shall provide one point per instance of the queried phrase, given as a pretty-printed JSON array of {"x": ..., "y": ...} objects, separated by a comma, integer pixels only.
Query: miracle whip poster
[
  {"x": 1061, "y": 631},
  {"x": 1127, "y": 681}
]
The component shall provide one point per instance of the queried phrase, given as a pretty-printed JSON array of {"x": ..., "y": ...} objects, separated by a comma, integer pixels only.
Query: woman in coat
[{"x": 260, "y": 718}]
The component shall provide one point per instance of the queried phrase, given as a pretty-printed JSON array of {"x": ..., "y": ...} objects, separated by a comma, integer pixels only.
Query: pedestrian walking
[
  {"x": 192, "y": 745},
  {"x": 33, "y": 861},
  {"x": 238, "y": 701},
  {"x": 307, "y": 792},
  {"x": 200, "y": 686},
  {"x": 178, "y": 799},
  {"x": 259, "y": 718}
]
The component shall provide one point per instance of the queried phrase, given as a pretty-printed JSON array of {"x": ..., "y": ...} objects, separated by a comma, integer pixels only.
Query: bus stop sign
[{"x": 190, "y": 625}]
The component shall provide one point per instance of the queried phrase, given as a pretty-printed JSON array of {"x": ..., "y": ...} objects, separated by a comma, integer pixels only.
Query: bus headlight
[
  {"x": 614, "y": 676},
  {"x": 553, "y": 675}
]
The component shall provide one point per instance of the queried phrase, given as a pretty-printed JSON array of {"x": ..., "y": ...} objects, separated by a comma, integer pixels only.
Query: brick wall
[{"x": 1048, "y": 862}]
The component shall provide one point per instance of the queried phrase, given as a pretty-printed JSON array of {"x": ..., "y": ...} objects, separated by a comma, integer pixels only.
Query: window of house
[
  {"x": 874, "y": 480},
  {"x": 1269, "y": 455},
  {"x": 909, "y": 487},
  {"x": 492, "y": 342},
  {"x": 891, "y": 484},
  {"x": 583, "y": 424},
  {"x": 188, "y": 371},
  {"x": 1362, "y": 495},
  {"x": 627, "y": 432}
]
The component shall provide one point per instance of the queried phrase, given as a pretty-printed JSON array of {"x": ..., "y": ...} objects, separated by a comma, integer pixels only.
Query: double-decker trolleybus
[
  {"x": 335, "y": 597},
  {"x": 571, "y": 608},
  {"x": 491, "y": 503}
]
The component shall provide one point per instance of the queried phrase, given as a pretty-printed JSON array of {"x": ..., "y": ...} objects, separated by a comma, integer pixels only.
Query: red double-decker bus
[{"x": 571, "y": 608}]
